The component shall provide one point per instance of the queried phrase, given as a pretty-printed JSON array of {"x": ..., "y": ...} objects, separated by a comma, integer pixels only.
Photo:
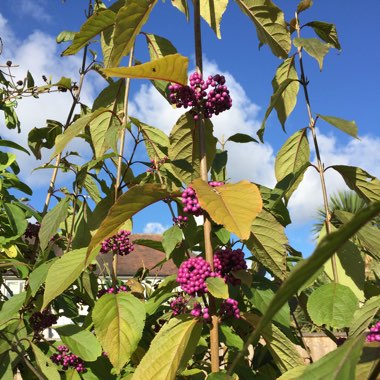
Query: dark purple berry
[
  {"x": 118, "y": 244},
  {"x": 228, "y": 260}
]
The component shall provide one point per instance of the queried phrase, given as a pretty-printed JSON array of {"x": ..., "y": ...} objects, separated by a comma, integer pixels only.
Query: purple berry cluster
[
  {"x": 229, "y": 308},
  {"x": 215, "y": 183},
  {"x": 119, "y": 244},
  {"x": 374, "y": 333},
  {"x": 112, "y": 290},
  {"x": 200, "y": 312},
  {"x": 195, "y": 96},
  {"x": 66, "y": 359},
  {"x": 180, "y": 221},
  {"x": 42, "y": 320},
  {"x": 32, "y": 230},
  {"x": 178, "y": 305},
  {"x": 228, "y": 260},
  {"x": 155, "y": 164},
  {"x": 192, "y": 275},
  {"x": 190, "y": 201}
]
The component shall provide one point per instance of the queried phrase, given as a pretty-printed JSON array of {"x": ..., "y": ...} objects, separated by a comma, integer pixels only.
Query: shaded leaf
[
  {"x": 81, "y": 342},
  {"x": 171, "y": 238},
  {"x": 326, "y": 32},
  {"x": 171, "y": 68},
  {"x": 332, "y": 305},
  {"x": 51, "y": 221},
  {"x": 217, "y": 287},
  {"x": 10, "y": 308},
  {"x": 349, "y": 127},
  {"x": 267, "y": 243},
  {"x": 303, "y": 5},
  {"x": 119, "y": 321},
  {"x": 241, "y": 138},
  {"x": 62, "y": 273},
  {"x": 313, "y": 47},
  {"x": 364, "y": 184},
  {"x": 212, "y": 12},
  {"x": 170, "y": 348},
  {"x": 128, "y": 23},
  {"x": 270, "y": 25},
  {"x": 16, "y": 217},
  {"x": 45, "y": 364},
  {"x": 92, "y": 27},
  {"x": 13, "y": 145},
  {"x": 38, "y": 276},
  {"x": 234, "y": 206}
]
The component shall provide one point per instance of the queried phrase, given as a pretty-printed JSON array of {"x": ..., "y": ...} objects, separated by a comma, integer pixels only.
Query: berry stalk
[{"x": 214, "y": 334}]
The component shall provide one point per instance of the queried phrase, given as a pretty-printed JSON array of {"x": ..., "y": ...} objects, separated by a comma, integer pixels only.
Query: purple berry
[
  {"x": 119, "y": 244},
  {"x": 228, "y": 260},
  {"x": 190, "y": 202},
  {"x": 229, "y": 308}
]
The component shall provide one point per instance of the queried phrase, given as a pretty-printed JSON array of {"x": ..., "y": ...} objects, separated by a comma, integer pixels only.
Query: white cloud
[
  {"x": 241, "y": 118},
  {"x": 34, "y": 9},
  {"x": 39, "y": 54},
  {"x": 154, "y": 228},
  {"x": 364, "y": 153}
]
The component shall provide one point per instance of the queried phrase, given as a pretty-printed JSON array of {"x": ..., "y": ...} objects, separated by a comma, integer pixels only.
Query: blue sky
[{"x": 347, "y": 87}]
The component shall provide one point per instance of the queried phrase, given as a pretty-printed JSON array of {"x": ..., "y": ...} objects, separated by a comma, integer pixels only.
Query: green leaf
[
  {"x": 270, "y": 25},
  {"x": 62, "y": 273},
  {"x": 81, "y": 342},
  {"x": 217, "y": 287},
  {"x": 288, "y": 98},
  {"x": 231, "y": 338},
  {"x": 350, "y": 268},
  {"x": 184, "y": 147},
  {"x": 326, "y": 32},
  {"x": 171, "y": 238},
  {"x": 303, "y": 271},
  {"x": 13, "y": 145},
  {"x": 95, "y": 24},
  {"x": 6, "y": 160},
  {"x": 283, "y": 350},
  {"x": 368, "y": 366},
  {"x": 212, "y": 12},
  {"x": 171, "y": 68},
  {"x": 65, "y": 36},
  {"x": 223, "y": 235},
  {"x": 219, "y": 376},
  {"x": 314, "y": 47},
  {"x": 364, "y": 184},
  {"x": 303, "y": 5},
  {"x": 16, "y": 217},
  {"x": 276, "y": 97},
  {"x": 267, "y": 243},
  {"x": 51, "y": 221},
  {"x": 332, "y": 305},
  {"x": 182, "y": 6},
  {"x": 129, "y": 21},
  {"x": 45, "y": 364},
  {"x": 135, "y": 199},
  {"x": 241, "y": 138},
  {"x": 10, "y": 308},
  {"x": 293, "y": 155},
  {"x": 154, "y": 244},
  {"x": 38, "y": 276},
  {"x": 234, "y": 206},
  {"x": 363, "y": 317},
  {"x": 119, "y": 321},
  {"x": 349, "y": 127},
  {"x": 337, "y": 365},
  {"x": 75, "y": 129},
  {"x": 171, "y": 348}
]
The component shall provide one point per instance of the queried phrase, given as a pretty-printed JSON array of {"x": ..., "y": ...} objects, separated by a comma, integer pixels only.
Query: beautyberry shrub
[
  {"x": 68, "y": 360},
  {"x": 119, "y": 244}
]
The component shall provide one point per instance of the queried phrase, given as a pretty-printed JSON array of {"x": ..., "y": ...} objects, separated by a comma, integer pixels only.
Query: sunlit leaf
[
  {"x": 171, "y": 238},
  {"x": 171, "y": 68},
  {"x": 212, "y": 12},
  {"x": 234, "y": 206},
  {"x": 128, "y": 23},
  {"x": 62, "y": 274},
  {"x": 217, "y": 287},
  {"x": 303, "y": 5},
  {"x": 349, "y": 127},
  {"x": 92, "y": 27},
  {"x": 313, "y": 47},
  {"x": 119, "y": 321},
  {"x": 171, "y": 347},
  {"x": 45, "y": 364},
  {"x": 10, "y": 308},
  {"x": 182, "y": 6}
]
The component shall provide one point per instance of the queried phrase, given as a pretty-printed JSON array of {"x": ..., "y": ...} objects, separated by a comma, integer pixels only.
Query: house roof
[{"x": 141, "y": 257}]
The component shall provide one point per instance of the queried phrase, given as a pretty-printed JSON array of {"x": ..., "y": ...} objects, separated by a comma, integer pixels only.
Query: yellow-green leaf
[
  {"x": 94, "y": 25},
  {"x": 45, "y": 364},
  {"x": 182, "y": 6},
  {"x": 10, "y": 251},
  {"x": 270, "y": 25},
  {"x": 313, "y": 47},
  {"x": 288, "y": 98},
  {"x": 119, "y": 321},
  {"x": 235, "y": 206},
  {"x": 135, "y": 199},
  {"x": 171, "y": 348},
  {"x": 326, "y": 32},
  {"x": 212, "y": 12},
  {"x": 129, "y": 20},
  {"x": 217, "y": 287},
  {"x": 349, "y": 127},
  {"x": 171, "y": 68}
]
